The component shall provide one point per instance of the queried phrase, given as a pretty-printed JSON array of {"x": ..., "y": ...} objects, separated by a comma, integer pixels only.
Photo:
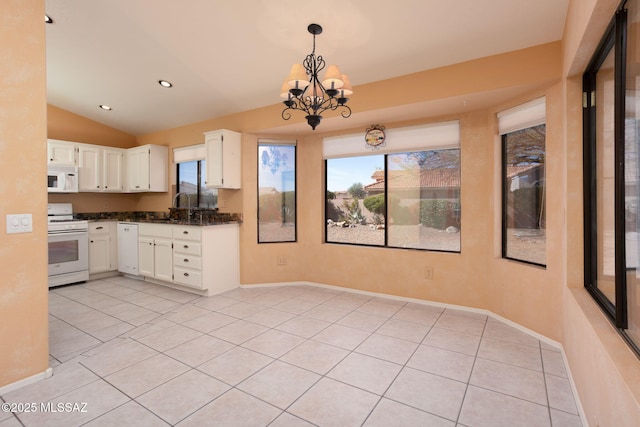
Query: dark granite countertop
[{"x": 177, "y": 216}]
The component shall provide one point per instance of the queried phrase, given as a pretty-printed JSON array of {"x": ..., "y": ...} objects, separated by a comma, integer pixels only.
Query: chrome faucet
[{"x": 175, "y": 203}]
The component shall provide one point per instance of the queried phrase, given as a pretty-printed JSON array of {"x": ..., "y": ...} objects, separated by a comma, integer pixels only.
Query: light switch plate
[{"x": 19, "y": 223}]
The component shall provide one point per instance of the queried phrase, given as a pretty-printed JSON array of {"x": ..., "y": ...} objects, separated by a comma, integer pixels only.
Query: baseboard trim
[
  {"x": 489, "y": 313},
  {"x": 26, "y": 381}
]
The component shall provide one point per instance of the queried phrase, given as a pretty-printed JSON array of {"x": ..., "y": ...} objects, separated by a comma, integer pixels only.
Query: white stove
[{"x": 68, "y": 246}]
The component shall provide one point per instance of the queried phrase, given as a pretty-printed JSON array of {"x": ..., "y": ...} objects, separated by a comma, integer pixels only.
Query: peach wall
[
  {"x": 23, "y": 257},
  {"x": 67, "y": 126},
  {"x": 605, "y": 371},
  {"x": 514, "y": 290}
]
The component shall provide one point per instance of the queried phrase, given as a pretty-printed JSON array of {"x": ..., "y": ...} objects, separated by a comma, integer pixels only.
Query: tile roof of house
[
  {"x": 517, "y": 170},
  {"x": 432, "y": 178}
]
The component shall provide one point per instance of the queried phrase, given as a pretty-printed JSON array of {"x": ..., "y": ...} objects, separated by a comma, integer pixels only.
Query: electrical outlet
[
  {"x": 428, "y": 273},
  {"x": 223, "y": 203},
  {"x": 282, "y": 260}
]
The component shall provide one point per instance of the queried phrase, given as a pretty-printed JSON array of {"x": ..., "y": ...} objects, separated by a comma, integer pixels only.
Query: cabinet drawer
[
  {"x": 181, "y": 232},
  {"x": 187, "y": 277},
  {"x": 156, "y": 230},
  {"x": 186, "y": 247},
  {"x": 187, "y": 261},
  {"x": 99, "y": 228}
]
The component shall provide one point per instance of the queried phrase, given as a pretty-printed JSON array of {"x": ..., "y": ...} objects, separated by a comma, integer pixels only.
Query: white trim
[
  {"x": 398, "y": 140},
  {"x": 523, "y": 116},
  {"x": 26, "y": 381},
  {"x": 267, "y": 141},
  {"x": 521, "y": 328},
  {"x": 190, "y": 153}
]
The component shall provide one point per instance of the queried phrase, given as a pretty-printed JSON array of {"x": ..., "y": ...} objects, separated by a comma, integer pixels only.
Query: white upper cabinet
[
  {"x": 61, "y": 152},
  {"x": 223, "y": 159},
  {"x": 89, "y": 167},
  {"x": 100, "y": 168},
  {"x": 113, "y": 173},
  {"x": 147, "y": 168}
]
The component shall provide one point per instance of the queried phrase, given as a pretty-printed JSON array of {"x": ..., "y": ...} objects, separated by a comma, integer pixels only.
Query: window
[
  {"x": 408, "y": 199},
  {"x": 190, "y": 178},
  {"x": 523, "y": 131},
  {"x": 276, "y": 191},
  {"x": 523, "y": 190},
  {"x": 612, "y": 176}
]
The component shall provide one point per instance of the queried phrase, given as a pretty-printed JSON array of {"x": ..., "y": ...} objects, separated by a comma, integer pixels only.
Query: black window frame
[
  {"x": 505, "y": 192},
  {"x": 295, "y": 192},
  {"x": 615, "y": 38},
  {"x": 198, "y": 187},
  {"x": 386, "y": 245}
]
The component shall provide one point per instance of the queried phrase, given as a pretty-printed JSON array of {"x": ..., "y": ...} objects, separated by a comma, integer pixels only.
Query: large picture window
[
  {"x": 276, "y": 192},
  {"x": 408, "y": 199},
  {"x": 612, "y": 175}
]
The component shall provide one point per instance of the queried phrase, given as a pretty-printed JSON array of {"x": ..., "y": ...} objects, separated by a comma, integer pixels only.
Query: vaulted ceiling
[{"x": 224, "y": 56}]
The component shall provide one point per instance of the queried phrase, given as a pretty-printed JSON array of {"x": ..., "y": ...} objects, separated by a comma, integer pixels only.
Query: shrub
[
  {"x": 437, "y": 213},
  {"x": 375, "y": 204}
]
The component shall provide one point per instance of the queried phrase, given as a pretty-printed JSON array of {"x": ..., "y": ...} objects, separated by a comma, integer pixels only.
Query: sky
[
  {"x": 344, "y": 172},
  {"x": 277, "y": 173}
]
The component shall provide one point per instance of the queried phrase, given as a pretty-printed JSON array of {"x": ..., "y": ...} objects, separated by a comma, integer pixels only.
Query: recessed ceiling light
[
  {"x": 47, "y": 19},
  {"x": 165, "y": 83},
  {"x": 105, "y": 107}
]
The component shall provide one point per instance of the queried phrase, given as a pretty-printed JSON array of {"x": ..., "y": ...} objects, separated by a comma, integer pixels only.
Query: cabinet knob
[
  {"x": 186, "y": 246},
  {"x": 91, "y": 241},
  {"x": 186, "y": 260},
  {"x": 185, "y": 232},
  {"x": 99, "y": 228},
  {"x": 186, "y": 274}
]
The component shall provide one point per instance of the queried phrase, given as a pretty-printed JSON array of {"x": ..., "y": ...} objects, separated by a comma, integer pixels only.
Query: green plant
[
  {"x": 357, "y": 191},
  {"x": 354, "y": 213},
  {"x": 437, "y": 213},
  {"x": 375, "y": 204}
]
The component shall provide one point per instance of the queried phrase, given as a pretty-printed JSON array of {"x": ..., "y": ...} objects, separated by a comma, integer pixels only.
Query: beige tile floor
[{"x": 130, "y": 353}]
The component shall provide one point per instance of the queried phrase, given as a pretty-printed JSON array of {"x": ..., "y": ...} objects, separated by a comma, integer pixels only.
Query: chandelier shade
[{"x": 303, "y": 90}]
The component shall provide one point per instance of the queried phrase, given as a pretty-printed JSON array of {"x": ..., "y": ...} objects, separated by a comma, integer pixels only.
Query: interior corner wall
[
  {"x": 23, "y": 257},
  {"x": 605, "y": 370}
]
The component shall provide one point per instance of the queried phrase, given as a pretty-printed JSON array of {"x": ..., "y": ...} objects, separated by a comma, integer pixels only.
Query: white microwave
[{"x": 62, "y": 179}]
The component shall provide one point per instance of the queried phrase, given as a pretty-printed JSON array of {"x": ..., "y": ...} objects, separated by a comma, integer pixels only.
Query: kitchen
[{"x": 172, "y": 243}]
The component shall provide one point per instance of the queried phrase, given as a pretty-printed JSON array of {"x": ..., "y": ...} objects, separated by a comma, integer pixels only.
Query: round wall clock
[{"x": 375, "y": 137}]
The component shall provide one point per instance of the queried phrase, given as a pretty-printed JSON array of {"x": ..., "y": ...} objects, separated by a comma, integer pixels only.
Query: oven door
[{"x": 68, "y": 252}]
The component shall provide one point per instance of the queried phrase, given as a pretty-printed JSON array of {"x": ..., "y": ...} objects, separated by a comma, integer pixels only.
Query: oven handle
[{"x": 68, "y": 232}]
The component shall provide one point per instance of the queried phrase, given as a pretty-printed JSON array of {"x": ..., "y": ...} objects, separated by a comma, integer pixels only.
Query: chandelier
[{"x": 304, "y": 91}]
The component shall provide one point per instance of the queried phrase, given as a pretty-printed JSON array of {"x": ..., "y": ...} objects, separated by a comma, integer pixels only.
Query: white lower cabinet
[
  {"x": 103, "y": 247},
  {"x": 155, "y": 253},
  {"x": 205, "y": 259},
  {"x": 187, "y": 261}
]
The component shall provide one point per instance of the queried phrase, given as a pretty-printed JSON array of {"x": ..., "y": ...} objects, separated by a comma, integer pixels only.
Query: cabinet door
[
  {"x": 164, "y": 260},
  {"x": 112, "y": 169},
  {"x": 61, "y": 153},
  {"x": 138, "y": 169},
  {"x": 223, "y": 159},
  {"x": 214, "y": 160},
  {"x": 146, "y": 257},
  {"x": 99, "y": 254},
  {"x": 89, "y": 168}
]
